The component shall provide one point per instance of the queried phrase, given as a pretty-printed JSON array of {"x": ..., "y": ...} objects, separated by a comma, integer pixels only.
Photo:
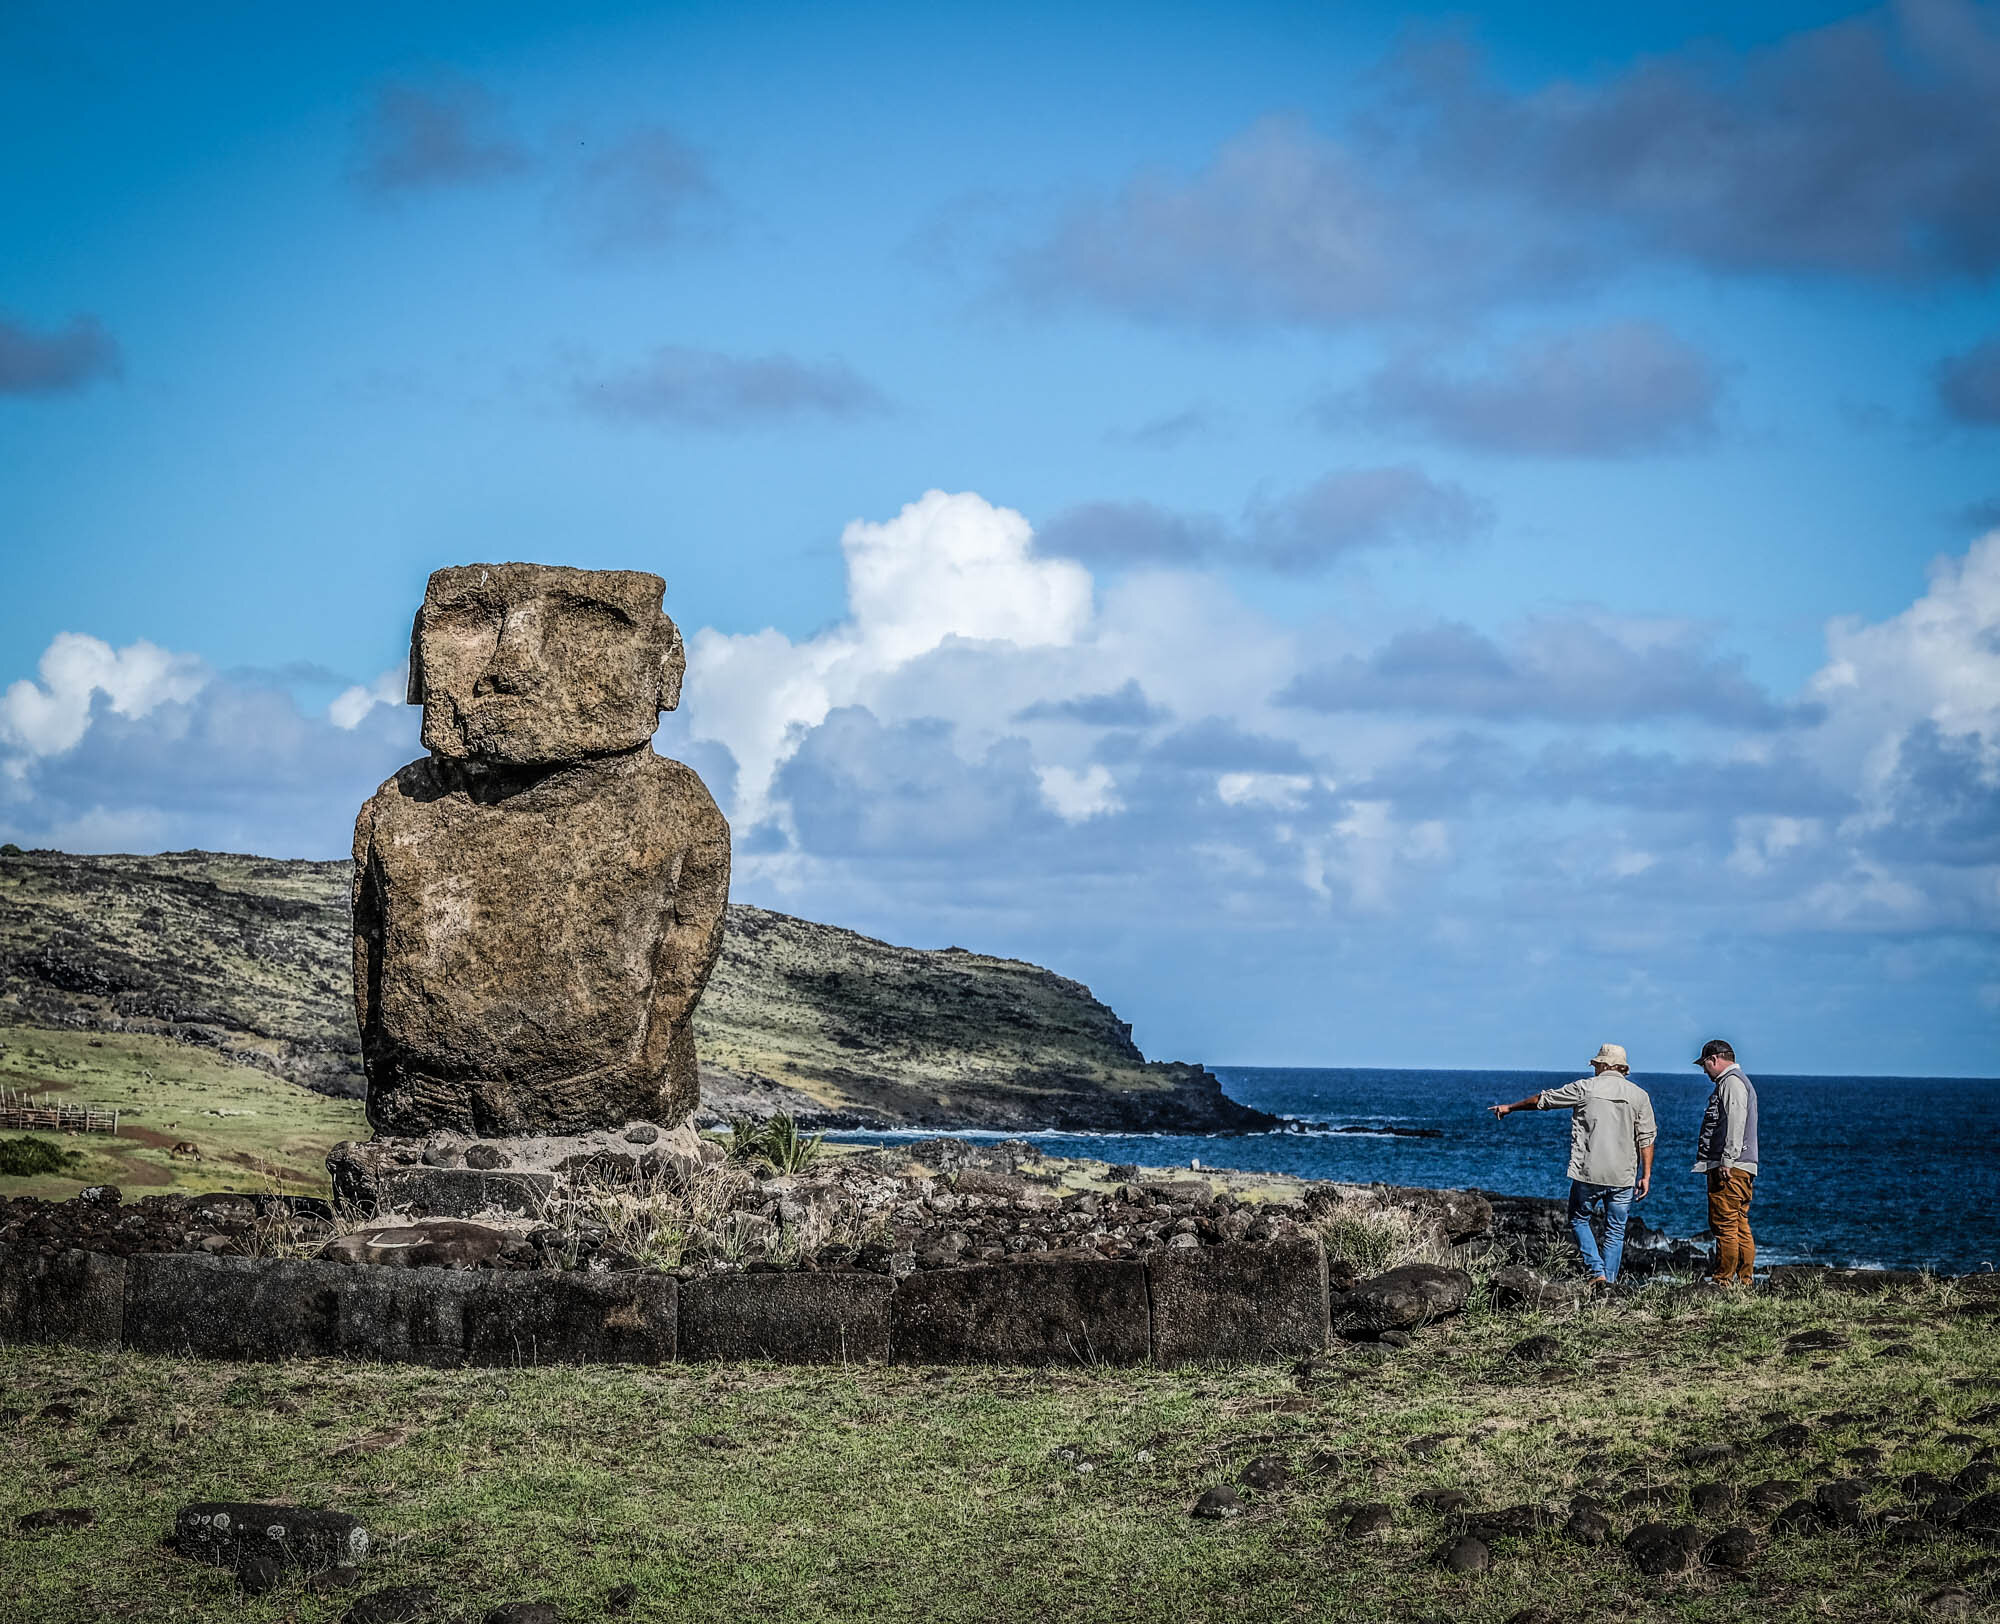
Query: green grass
[
  {"x": 253, "y": 1131},
  {"x": 885, "y": 1494}
]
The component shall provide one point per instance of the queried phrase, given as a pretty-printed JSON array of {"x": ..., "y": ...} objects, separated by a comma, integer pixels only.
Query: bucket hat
[{"x": 1612, "y": 1054}]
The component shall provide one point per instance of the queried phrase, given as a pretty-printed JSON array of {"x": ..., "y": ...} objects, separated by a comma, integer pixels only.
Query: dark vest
[{"x": 1709, "y": 1147}]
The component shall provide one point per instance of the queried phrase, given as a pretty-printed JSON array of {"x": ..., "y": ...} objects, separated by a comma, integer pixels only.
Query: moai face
[{"x": 536, "y": 664}]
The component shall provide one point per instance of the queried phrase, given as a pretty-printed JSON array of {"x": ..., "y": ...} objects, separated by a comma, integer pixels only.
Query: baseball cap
[{"x": 1712, "y": 1048}]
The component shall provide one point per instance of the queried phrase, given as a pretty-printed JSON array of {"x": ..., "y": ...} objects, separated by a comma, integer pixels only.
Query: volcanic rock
[
  {"x": 1403, "y": 1298},
  {"x": 224, "y": 1533},
  {"x": 538, "y": 904}
]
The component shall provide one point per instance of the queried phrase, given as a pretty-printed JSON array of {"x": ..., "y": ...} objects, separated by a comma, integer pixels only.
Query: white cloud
[
  {"x": 1077, "y": 797},
  {"x": 352, "y": 704},
  {"x": 1938, "y": 660},
  {"x": 947, "y": 567},
  {"x": 1284, "y": 792},
  {"x": 50, "y": 717}
]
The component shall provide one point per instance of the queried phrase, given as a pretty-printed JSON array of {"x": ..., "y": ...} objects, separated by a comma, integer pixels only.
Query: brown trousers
[{"x": 1729, "y": 1221}]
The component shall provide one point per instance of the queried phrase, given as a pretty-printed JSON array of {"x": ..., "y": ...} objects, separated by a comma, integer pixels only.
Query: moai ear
[
  {"x": 673, "y": 665},
  {"x": 414, "y": 693}
]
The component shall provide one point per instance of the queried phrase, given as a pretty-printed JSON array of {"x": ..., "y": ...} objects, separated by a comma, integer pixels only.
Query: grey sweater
[{"x": 1729, "y": 1126}]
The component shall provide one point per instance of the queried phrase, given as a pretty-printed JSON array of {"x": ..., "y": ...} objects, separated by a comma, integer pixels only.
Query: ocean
[{"x": 1888, "y": 1172}]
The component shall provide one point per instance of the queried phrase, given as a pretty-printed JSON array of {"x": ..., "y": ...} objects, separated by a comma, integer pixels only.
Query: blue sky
[{"x": 1458, "y": 534}]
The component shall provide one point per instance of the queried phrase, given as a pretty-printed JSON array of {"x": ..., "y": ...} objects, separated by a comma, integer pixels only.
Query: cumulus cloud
[
  {"x": 857, "y": 787},
  {"x": 990, "y": 748},
  {"x": 415, "y": 137},
  {"x": 49, "y": 717},
  {"x": 1607, "y": 391},
  {"x": 1577, "y": 671},
  {"x": 947, "y": 568},
  {"x": 168, "y": 756},
  {"x": 1299, "y": 533},
  {"x": 1968, "y": 385},
  {"x": 1126, "y": 706},
  {"x": 706, "y": 389},
  {"x": 37, "y": 363},
  {"x": 1869, "y": 148},
  {"x": 352, "y": 704}
]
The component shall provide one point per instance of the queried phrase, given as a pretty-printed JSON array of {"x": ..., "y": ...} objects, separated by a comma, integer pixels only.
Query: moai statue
[{"x": 537, "y": 903}]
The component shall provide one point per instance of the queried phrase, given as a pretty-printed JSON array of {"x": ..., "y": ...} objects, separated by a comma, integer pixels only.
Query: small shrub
[
  {"x": 27, "y": 1156},
  {"x": 1377, "y": 1238}
]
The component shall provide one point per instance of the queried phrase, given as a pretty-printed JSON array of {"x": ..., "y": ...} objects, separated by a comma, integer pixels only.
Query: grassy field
[
  {"x": 760, "y": 1493},
  {"x": 253, "y": 1131}
]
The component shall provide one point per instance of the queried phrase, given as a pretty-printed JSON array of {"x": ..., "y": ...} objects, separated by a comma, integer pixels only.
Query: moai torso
[{"x": 538, "y": 903}]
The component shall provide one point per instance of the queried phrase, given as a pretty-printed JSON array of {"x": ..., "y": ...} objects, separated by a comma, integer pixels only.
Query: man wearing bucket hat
[{"x": 1611, "y": 1138}]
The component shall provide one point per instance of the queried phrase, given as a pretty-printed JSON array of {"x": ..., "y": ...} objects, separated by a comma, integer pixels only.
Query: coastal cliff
[{"x": 248, "y": 957}]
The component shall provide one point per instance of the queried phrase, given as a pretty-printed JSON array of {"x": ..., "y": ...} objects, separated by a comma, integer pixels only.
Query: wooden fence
[{"x": 22, "y": 1110}]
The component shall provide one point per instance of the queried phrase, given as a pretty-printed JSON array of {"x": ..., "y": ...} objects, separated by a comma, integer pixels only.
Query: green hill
[{"x": 247, "y": 958}]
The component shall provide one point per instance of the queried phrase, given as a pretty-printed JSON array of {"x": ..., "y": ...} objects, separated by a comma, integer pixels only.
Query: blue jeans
[{"x": 1612, "y": 1207}]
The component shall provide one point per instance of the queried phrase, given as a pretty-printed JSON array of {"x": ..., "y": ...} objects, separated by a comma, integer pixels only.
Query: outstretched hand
[{"x": 1499, "y": 1110}]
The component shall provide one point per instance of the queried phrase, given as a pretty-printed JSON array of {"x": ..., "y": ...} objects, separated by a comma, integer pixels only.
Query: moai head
[{"x": 536, "y": 664}]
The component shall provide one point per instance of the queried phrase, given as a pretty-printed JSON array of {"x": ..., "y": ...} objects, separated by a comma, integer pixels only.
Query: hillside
[{"x": 248, "y": 957}]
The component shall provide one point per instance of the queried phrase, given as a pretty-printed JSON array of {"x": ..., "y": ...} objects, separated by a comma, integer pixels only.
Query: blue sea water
[{"x": 1895, "y": 1172}]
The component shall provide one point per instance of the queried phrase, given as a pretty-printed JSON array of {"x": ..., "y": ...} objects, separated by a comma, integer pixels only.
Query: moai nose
[{"x": 515, "y": 667}]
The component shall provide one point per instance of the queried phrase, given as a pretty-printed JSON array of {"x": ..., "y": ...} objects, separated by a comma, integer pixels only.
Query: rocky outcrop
[{"x": 250, "y": 957}]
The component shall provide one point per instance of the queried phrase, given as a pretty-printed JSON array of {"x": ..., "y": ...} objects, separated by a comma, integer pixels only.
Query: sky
[{"x": 1418, "y": 536}]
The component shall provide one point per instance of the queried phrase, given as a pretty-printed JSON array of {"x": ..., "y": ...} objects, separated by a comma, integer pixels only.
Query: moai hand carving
[{"x": 538, "y": 903}]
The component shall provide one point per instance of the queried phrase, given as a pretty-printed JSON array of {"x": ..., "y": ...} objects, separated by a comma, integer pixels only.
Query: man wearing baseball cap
[
  {"x": 1611, "y": 1137},
  {"x": 1727, "y": 1153}
]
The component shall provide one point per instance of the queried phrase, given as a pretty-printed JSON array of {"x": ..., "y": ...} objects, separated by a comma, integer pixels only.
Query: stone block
[
  {"x": 1053, "y": 1310},
  {"x": 441, "y": 1192},
  {"x": 795, "y": 1319},
  {"x": 233, "y": 1307},
  {"x": 405, "y": 1316},
  {"x": 546, "y": 1318},
  {"x": 1238, "y": 1301},
  {"x": 76, "y": 1298}
]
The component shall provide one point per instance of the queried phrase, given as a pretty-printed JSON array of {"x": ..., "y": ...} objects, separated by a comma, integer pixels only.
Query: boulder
[
  {"x": 1656, "y": 1549},
  {"x": 539, "y": 902},
  {"x": 1735, "y": 1547},
  {"x": 1466, "y": 1554},
  {"x": 398, "y": 1604},
  {"x": 1238, "y": 1301},
  {"x": 1519, "y": 1287},
  {"x": 1373, "y": 1521},
  {"x": 225, "y": 1534},
  {"x": 1403, "y": 1298},
  {"x": 1218, "y": 1503}
]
